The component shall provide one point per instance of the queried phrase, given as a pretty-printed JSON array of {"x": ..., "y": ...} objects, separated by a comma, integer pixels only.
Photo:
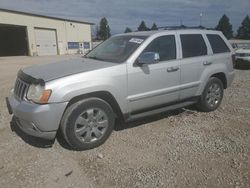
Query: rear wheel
[
  {"x": 212, "y": 95},
  {"x": 87, "y": 123}
]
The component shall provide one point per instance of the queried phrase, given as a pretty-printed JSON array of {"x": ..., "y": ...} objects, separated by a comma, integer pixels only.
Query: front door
[{"x": 154, "y": 85}]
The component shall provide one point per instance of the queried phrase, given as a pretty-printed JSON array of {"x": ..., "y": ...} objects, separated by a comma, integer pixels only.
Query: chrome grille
[{"x": 20, "y": 89}]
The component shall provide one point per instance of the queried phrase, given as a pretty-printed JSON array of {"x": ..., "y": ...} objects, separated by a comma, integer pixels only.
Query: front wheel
[
  {"x": 212, "y": 95},
  {"x": 87, "y": 123}
]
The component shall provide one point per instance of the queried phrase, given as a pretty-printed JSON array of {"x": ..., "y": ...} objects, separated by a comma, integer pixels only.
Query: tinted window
[
  {"x": 193, "y": 45},
  {"x": 217, "y": 43},
  {"x": 165, "y": 46}
]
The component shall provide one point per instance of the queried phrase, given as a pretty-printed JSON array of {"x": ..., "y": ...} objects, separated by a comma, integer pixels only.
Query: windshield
[{"x": 116, "y": 49}]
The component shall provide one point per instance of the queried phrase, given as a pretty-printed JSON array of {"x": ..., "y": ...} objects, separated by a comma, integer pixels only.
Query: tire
[
  {"x": 212, "y": 95},
  {"x": 236, "y": 65},
  {"x": 88, "y": 123}
]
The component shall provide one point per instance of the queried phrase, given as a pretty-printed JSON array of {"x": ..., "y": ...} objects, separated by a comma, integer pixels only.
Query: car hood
[
  {"x": 243, "y": 51},
  {"x": 52, "y": 71}
]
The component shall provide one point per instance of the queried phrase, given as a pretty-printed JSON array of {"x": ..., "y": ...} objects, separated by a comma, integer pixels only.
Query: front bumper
[
  {"x": 36, "y": 120},
  {"x": 243, "y": 59}
]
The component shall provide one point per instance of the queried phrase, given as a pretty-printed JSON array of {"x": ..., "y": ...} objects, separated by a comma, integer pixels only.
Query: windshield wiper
[
  {"x": 94, "y": 57},
  {"x": 100, "y": 59}
]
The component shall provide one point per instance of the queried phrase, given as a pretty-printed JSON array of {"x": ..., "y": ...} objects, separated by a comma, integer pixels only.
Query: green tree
[
  {"x": 225, "y": 27},
  {"x": 154, "y": 27},
  {"x": 183, "y": 26},
  {"x": 142, "y": 27},
  {"x": 244, "y": 29},
  {"x": 128, "y": 30},
  {"x": 104, "y": 30},
  {"x": 97, "y": 32}
]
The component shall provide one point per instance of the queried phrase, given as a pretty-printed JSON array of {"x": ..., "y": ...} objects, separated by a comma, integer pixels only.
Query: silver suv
[{"x": 129, "y": 76}]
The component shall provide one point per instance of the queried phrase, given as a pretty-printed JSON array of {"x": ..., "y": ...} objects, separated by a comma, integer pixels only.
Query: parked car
[
  {"x": 129, "y": 76},
  {"x": 243, "y": 54}
]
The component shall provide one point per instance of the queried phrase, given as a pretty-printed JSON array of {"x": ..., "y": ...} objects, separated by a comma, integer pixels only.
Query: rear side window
[
  {"x": 193, "y": 45},
  {"x": 165, "y": 46},
  {"x": 217, "y": 43}
]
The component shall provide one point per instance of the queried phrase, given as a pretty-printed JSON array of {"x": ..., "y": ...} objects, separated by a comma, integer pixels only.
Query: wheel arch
[
  {"x": 222, "y": 77},
  {"x": 220, "y": 74},
  {"x": 104, "y": 95}
]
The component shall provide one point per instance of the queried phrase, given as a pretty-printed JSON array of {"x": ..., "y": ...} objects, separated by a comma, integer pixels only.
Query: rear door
[
  {"x": 194, "y": 61},
  {"x": 154, "y": 85}
]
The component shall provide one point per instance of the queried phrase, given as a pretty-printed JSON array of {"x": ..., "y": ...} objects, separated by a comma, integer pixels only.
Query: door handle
[
  {"x": 207, "y": 63},
  {"x": 172, "y": 69}
]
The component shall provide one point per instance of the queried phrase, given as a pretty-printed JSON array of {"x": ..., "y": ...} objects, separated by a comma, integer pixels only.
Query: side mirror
[{"x": 148, "y": 58}]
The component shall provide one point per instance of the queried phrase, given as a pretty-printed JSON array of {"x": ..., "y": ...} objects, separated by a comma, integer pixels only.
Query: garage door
[
  {"x": 46, "y": 42},
  {"x": 13, "y": 40}
]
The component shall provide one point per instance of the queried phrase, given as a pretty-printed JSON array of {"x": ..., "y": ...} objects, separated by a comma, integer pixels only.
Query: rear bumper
[{"x": 36, "y": 120}]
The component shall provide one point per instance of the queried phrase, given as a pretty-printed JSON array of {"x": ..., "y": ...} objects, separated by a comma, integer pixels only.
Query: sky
[{"x": 130, "y": 13}]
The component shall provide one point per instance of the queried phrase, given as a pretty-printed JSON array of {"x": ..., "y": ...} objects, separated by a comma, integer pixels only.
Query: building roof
[{"x": 44, "y": 16}]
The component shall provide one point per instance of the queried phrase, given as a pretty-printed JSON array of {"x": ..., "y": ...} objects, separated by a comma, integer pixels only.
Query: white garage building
[{"x": 30, "y": 34}]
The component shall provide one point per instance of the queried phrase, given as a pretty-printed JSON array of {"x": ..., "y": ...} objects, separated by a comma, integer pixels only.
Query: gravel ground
[{"x": 183, "y": 148}]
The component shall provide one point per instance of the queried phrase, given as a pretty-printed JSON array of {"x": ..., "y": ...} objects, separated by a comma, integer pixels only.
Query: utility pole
[
  {"x": 181, "y": 21},
  {"x": 201, "y": 18}
]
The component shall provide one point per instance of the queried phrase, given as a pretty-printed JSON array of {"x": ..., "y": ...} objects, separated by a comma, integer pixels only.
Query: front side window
[
  {"x": 193, "y": 45},
  {"x": 116, "y": 49},
  {"x": 165, "y": 46},
  {"x": 217, "y": 44}
]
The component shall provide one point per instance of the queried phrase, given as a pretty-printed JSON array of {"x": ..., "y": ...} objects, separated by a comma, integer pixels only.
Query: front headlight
[{"x": 38, "y": 94}]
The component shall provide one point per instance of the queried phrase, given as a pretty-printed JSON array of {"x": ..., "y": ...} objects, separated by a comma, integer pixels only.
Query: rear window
[
  {"x": 193, "y": 45},
  {"x": 217, "y": 43}
]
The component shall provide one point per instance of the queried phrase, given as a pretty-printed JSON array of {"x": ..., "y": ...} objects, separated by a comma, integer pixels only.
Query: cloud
[{"x": 121, "y": 14}]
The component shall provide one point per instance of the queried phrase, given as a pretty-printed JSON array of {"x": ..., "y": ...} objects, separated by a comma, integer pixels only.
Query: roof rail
[{"x": 183, "y": 27}]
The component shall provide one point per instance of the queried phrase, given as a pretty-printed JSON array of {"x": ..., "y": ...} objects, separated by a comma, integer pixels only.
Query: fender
[
  {"x": 208, "y": 72},
  {"x": 67, "y": 88}
]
